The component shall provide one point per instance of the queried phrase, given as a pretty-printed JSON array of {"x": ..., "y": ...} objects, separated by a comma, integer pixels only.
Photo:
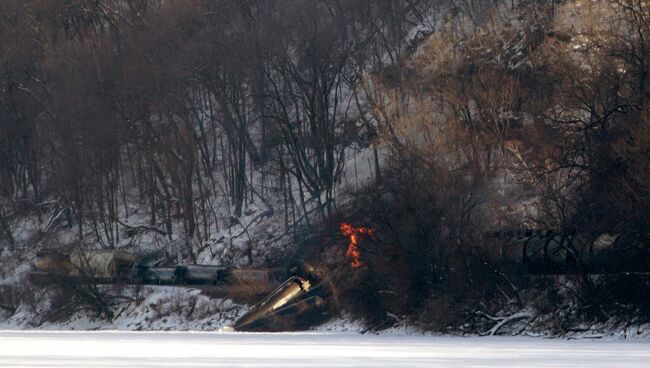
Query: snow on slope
[
  {"x": 149, "y": 308},
  {"x": 147, "y": 349}
]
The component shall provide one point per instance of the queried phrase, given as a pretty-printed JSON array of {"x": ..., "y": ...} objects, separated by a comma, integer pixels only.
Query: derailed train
[
  {"x": 302, "y": 300},
  {"x": 116, "y": 266},
  {"x": 299, "y": 297},
  {"x": 305, "y": 299}
]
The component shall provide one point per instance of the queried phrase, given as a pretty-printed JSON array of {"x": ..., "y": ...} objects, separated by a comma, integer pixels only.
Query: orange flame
[{"x": 353, "y": 250}]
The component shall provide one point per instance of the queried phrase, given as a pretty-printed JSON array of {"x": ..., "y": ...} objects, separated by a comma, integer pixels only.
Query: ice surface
[{"x": 200, "y": 349}]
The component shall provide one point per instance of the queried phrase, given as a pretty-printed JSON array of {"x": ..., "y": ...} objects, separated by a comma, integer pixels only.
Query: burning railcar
[{"x": 307, "y": 298}]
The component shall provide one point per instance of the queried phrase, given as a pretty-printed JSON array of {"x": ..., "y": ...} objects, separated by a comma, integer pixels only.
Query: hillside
[{"x": 453, "y": 166}]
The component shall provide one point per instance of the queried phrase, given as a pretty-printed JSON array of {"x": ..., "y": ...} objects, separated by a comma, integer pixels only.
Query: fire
[{"x": 353, "y": 250}]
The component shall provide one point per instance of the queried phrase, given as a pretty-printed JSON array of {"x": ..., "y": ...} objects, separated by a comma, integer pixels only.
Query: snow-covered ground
[
  {"x": 200, "y": 349},
  {"x": 149, "y": 308}
]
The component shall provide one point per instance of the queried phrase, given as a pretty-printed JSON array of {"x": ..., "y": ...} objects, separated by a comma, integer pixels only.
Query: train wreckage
[
  {"x": 300, "y": 301},
  {"x": 299, "y": 296}
]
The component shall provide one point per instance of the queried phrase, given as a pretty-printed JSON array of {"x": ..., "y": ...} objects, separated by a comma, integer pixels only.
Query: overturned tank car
[{"x": 302, "y": 301}]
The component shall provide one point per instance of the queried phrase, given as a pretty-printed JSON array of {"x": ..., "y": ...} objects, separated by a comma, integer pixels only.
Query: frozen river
[{"x": 187, "y": 349}]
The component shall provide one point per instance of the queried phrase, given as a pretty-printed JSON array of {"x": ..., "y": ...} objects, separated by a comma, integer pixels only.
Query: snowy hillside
[{"x": 463, "y": 167}]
